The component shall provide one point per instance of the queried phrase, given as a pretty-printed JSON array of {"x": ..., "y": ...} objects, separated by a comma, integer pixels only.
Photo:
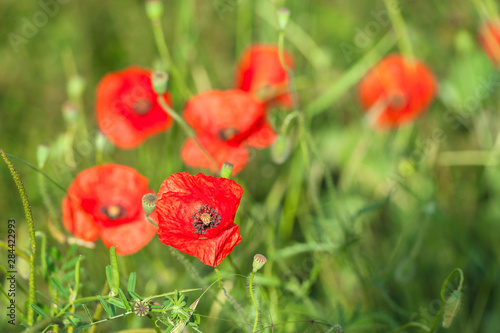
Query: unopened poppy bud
[
  {"x": 100, "y": 141},
  {"x": 226, "y": 170},
  {"x": 154, "y": 9},
  {"x": 70, "y": 113},
  {"x": 160, "y": 82},
  {"x": 141, "y": 308},
  {"x": 280, "y": 149},
  {"x": 452, "y": 308},
  {"x": 283, "y": 17},
  {"x": 149, "y": 203},
  {"x": 258, "y": 262},
  {"x": 42, "y": 154},
  {"x": 75, "y": 87}
]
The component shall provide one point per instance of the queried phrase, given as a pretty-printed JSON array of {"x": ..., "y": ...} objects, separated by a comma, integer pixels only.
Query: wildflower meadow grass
[{"x": 249, "y": 166}]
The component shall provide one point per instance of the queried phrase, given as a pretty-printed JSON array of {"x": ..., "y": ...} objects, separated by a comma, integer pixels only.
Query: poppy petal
[{"x": 263, "y": 136}]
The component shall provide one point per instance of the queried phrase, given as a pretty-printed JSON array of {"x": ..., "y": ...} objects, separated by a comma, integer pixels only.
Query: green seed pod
[
  {"x": 154, "y": 9},
  {"x": 283, "y": 17},
  {"x": 75, "y": 87},
  {"x": 149, "y": 203},
  {"x": 226, "y": 170},
  {"x": 160, "y": 82},
  {"x": 42, "y": 154},
  {"x": 258, "y": 262},
  {"x": 141, "y": 308},
  {"x": 280, "y": 149}
]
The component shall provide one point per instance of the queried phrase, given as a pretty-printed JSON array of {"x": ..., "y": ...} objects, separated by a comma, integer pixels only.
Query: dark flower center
[
  {"x": 227, "y": 133},
  {"x": 142, "y": 106},
  {"x": 397, "y": 100},
  {"x": 114, "y": 211},
  {"x": 205, "y": 218}
]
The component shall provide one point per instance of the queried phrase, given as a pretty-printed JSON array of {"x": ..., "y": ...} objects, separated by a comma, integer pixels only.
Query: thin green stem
[
  {"x": 166, "y": 59},
  {"x": 186, "y": 128},
  {"x": 231, "y": 300},
  {"x": 256, "y": 307},
  {"x": 289, "y": 71},
  {"x": 31, "y": 227},
  {"x": 460, "y": 284},
  {"x": 151, "y": 221},
  {"x": 399, "y": 26}
]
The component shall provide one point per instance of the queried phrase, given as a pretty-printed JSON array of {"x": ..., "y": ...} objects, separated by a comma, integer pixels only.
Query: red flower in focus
[
  {"x": 225, "y": 123},
  {"x": 260, "y": 72},
  {"x": 489, "y": 36},
  {"x": 196, "y": 215},
  {"x": 106, "y": 202},
  {"x": 126, "y": 108},
  {"x": 397, "y": 91}
]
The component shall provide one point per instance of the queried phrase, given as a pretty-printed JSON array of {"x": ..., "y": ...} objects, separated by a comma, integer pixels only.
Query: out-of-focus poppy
[
  {"x": 226, "y": 122},
  {"x": 196, "y": 215},
  {"x": 396, "y": 91},
  {"x": 260, "y": 72},
  {"x": 106, "y": 202},
  {"x": 489, "y": 36},
  {"x": 127, "y": 110}
]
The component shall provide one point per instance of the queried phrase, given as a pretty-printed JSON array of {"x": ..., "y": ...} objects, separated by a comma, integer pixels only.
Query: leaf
[
  {"x": 115, "y": 274},
  {"x": 87, "y": 312},
  {"x": 135, "y": 296},
  {"x": 124, "y": 299},
  {"x": 105, "y": 306},
  {"x": 40, "y": 311},
  {"x": 116, "y": 302},
  {"x": 131, "y": 282},
  {"x": 182, "y": 323},
  {"x": 59, "y": 286}
]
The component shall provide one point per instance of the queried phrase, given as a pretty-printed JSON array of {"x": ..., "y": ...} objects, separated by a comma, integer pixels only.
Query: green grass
[{"x": 370, "y": 254}]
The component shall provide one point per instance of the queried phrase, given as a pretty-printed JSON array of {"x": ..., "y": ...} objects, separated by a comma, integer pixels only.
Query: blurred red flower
[
  {"x": 489, "y": 36},
  {"x": 196, "y": 215},
  {"x": 260, "y": 72},
  {"x": 106, "y": 202},
  {"x": 225, "y": 122},
  {"x": 396, "y": 91},
  {"x": 126, "y": 108}
]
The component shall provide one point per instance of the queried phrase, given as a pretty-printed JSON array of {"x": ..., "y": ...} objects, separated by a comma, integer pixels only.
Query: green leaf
[
  {"x": 116, "y": 303},
  {"x": 105, "y": 306},
  {"x": 131, "y": 282},
  {"x": 124, "y": 299},
  {"x": 59, "y": 286},
  {"x": 109, "y": 276},
  {"x": 40, "y": 311},
  {"x": 87, "y": 312},
  {"x": 135, "y": 296}
]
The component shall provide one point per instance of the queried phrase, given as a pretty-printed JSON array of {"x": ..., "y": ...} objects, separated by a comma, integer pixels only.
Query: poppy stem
[
  {"x": 256, "y": 307},
  {"x": 186, "y": 128},
  {"x": 289, "y": 71},
  {"x": 399, "y": 26},
  {"x": 151, "y": 221},
  {"x": 31, "y": 226}
]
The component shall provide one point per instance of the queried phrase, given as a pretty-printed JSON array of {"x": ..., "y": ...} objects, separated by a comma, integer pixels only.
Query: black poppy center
[
  {"x": 114, "y": 211},
  {"x": 142, "y": 106},
  {"x": 227, "y": 133},
  {"x": 397, "y": 100},
  {"x": 205, "y": 218}
]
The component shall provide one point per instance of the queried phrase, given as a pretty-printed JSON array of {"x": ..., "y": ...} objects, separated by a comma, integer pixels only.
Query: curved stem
[
  {"x": 186, "y": 128},
  {"x": 31, "y": 227},
  {"x": 291, "y": 76},
  {"x": 256, "y": 307},
  {"x": 411, "y": 324}
]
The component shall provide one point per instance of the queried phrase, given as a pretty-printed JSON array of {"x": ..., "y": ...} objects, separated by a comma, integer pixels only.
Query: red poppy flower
[
  {"x": 397, "y": 91},
  {"x": 106, "y": 202},
  {"x": 226, "y": 122},
  {"x": 127, "y": 109},
  {"x": 260, "y": 72},
  {"x": 489, "y": 36},
  {"x": 196, "y": 215}
]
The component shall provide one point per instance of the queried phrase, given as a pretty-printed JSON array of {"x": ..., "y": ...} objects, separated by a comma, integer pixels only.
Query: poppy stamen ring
[
  {"x": 205, "y": 218},
  {"x": 142, "y": 106},
  {"x": 114, "y": 211}
]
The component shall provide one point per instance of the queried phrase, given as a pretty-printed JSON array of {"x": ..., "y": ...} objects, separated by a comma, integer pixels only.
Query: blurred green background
[{"x": 409, "y": 206}]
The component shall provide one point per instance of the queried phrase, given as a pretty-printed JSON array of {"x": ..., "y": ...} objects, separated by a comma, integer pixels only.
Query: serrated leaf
[{"x": 131, "y": 282}]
